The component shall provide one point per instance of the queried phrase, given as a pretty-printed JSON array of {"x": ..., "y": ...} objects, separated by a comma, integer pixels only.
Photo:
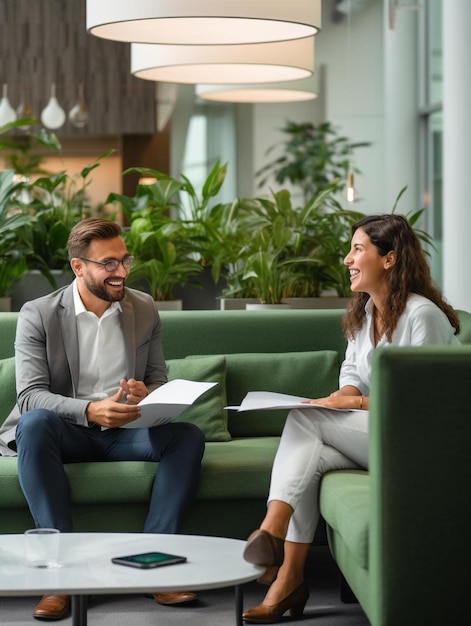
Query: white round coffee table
[{"x": 86, "y": 567}]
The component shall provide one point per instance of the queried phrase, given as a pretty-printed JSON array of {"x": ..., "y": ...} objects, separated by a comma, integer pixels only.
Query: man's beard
[{"x": 101, "y": 291}]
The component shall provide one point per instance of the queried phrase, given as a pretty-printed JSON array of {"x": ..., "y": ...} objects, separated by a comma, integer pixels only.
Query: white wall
[{"x": 352, "y": 99}]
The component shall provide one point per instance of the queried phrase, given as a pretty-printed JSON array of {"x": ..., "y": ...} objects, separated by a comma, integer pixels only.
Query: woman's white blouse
[{"x": 422, "y": 323}]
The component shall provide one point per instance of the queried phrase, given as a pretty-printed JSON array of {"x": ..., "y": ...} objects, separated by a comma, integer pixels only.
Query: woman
[{"x": 394, "y": 303}]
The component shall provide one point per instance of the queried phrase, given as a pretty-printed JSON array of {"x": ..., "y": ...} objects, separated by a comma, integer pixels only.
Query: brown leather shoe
[
  {"x": 175, "y": 597},
  {"x": 264, "y": 549},
  {"x": 52, "y": 607},
  {"x": 273, "y": 613}
]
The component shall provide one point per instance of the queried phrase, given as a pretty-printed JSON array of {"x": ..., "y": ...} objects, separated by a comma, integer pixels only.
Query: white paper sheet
[
  {"x": 268, "y": 400},
  {"x": 168, "y": 401}
]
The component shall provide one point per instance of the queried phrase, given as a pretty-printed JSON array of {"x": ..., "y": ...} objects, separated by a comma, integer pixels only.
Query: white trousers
[{"x": 313, "y": 442}]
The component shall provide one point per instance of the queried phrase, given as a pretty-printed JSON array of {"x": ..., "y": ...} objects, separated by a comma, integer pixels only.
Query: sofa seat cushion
[
  {"x": 230, "y": 470},
  {"x": 240, "y": 468},
  {"x": 345, "y": 506}
]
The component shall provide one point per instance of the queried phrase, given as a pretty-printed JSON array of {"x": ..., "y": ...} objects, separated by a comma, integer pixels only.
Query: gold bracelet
[{"x": 361, "y": 403}]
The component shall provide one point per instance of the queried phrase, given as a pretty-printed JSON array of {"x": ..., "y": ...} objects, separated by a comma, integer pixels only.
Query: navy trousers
[{"x": 45, "y": 442}]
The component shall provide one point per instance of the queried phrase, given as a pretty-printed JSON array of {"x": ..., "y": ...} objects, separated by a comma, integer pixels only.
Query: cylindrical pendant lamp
[
  {"x": 203, "y": 22},
  {"x": 250, "y": 63},
  {"x": 258, "y": 93}
]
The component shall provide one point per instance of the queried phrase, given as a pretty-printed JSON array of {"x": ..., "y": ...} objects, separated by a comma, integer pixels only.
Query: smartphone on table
[{"x": 148, "y": 560}]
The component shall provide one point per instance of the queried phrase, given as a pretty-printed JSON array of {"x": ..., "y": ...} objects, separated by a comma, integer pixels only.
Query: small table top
[{"x": 86, "y": 566}]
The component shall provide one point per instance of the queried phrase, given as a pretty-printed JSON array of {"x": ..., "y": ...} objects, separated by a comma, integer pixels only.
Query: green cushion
[
  {"x": 307, "y": 374},
  {"x": 345, "y": 506},
  {"x": 208, "y": 412},
  {"x": 7, "y": 387}
]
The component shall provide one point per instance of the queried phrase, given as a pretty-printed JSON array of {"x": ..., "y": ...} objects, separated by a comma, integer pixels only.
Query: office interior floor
[{"x": 214, "y": 608}]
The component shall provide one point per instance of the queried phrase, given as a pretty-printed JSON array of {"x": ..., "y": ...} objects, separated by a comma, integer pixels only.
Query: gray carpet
[{"x": 214, "y": 608}]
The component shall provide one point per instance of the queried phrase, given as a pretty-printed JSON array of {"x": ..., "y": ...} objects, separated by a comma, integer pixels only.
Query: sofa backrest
[
  {"x": 229, "y": 332},
  {"x": 261, "y": 349},
  {"x": 420, "y": 472},
  {"x": 7, "y": 334},
  {"x": 291, "y": 351}
]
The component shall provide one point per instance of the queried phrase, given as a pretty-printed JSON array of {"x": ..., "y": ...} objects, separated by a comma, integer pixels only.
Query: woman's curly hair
[{"x": 409, "y": 274}]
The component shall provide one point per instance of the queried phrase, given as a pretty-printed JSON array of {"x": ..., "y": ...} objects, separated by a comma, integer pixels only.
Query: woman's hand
[{"x": 341, "y": 401}]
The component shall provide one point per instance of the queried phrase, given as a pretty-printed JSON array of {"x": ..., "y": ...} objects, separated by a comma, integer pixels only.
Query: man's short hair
[{"x": 88, "y": 229}]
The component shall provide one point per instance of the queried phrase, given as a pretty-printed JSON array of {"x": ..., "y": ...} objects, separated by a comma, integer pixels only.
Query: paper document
[
  {"x": 266, "y": 400},
  {"x": 168, "y": 401}
]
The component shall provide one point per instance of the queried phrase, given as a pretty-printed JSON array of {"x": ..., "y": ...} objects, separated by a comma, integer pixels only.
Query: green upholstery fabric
[
  {"x": 224, "y": 332},
  {"x": 237, "y": 469},
  {"x": 7, "y": 336},
  {"x": 208, "y": 411},
  {"x": 7, "y": 387},
  {"x": 308, "y": 374},
  {"x": 400, "y": 535},
  {"x": 345, "y": 502}
]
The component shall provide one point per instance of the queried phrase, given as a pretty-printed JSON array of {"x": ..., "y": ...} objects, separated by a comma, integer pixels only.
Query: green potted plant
[
  {"x": 287, "y": 250},
  {"x": 55, "y": 202},
  {"x": 162, "y": 258},
  {"x": 14, "y": 244},
  {"x": 176, "y": 233},
  {"x": 313, "y": 157}
]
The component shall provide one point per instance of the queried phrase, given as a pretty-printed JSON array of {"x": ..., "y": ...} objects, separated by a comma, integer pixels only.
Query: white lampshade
[
  {"x": 7, "y": 112},
  {"x": 203, "y": 22},
  {"x": 250, "y": 63},
  {"x": 291, "y": 91}
]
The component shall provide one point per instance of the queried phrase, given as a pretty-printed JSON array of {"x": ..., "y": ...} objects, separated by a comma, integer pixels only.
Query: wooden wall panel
[{"x": 45, "y": 41}]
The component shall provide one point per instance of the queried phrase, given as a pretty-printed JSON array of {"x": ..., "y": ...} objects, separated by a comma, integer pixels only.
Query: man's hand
[
  {"x": 111, "y": 412},
  {"x": 135, "y": 390}
]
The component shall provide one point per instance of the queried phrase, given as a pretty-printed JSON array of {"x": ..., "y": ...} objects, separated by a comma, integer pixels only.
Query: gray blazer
[{"x": 47, "y": 358}]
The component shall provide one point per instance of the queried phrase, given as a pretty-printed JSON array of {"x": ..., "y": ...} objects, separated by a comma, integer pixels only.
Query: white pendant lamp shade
[
  {"x": 203, "y": 22},
  {"x": 7, "y": 112},
  {"x": 251, "y": 63},
  {"x": 291, "y": 91},
  {"x": 53, "y": 115}
]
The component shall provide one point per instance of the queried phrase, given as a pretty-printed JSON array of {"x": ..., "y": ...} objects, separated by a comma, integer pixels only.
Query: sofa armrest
[{"x": 420, "y": 468}]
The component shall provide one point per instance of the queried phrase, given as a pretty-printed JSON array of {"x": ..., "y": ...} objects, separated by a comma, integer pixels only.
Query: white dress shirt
[
  {"x": 422, "y": 323},
  {"x": 101, "y": 350}
]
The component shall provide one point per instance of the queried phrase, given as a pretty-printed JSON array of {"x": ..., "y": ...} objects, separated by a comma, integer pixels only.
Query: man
[{"x": 85, "y": 356}]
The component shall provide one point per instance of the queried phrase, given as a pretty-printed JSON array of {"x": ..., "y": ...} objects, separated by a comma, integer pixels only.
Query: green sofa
[
  {"x": 398, "y": 533},
  {"x": 296, "y": 352}
]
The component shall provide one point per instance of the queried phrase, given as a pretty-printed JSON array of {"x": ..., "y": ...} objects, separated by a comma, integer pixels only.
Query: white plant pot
[
  {"x": 169, "y": 305},
  {"x": 236, "y": 304},
  {"x": 257, "y": 306},
  {"x": 5, "y": 304}
]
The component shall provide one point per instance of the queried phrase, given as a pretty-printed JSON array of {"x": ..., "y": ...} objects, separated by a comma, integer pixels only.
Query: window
[
  {"x": 431, "y": 85},
  {"x": 211, "y": 136}
]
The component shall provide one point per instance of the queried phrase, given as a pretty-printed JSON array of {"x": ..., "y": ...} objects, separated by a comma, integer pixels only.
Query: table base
[{"x": 80, "y": 608}]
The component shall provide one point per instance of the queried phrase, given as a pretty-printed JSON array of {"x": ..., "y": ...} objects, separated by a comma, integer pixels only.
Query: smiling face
[
  {"x": 367, "y": 267},
  {"x": 97, "y": 287}
]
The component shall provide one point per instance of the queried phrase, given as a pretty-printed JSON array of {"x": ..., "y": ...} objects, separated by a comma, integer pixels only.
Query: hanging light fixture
[
  {"x": 350, "y": 191},
  {"x": 7, "y": 112},
  {"x": 250, "y": 63},
  {"x": 53, "y": 115},
  {"x": 257, "y": 93},
  {"x": 203, "y": 22}
]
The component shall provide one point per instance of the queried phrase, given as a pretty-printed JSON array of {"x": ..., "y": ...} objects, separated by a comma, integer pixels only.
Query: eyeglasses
[{"x": 112, "y": 264}]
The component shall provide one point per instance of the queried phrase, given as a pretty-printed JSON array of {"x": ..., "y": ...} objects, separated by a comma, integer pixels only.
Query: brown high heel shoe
[
  {"x": 264, "y": 549},
  {"x": 273, "y": 613}
]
